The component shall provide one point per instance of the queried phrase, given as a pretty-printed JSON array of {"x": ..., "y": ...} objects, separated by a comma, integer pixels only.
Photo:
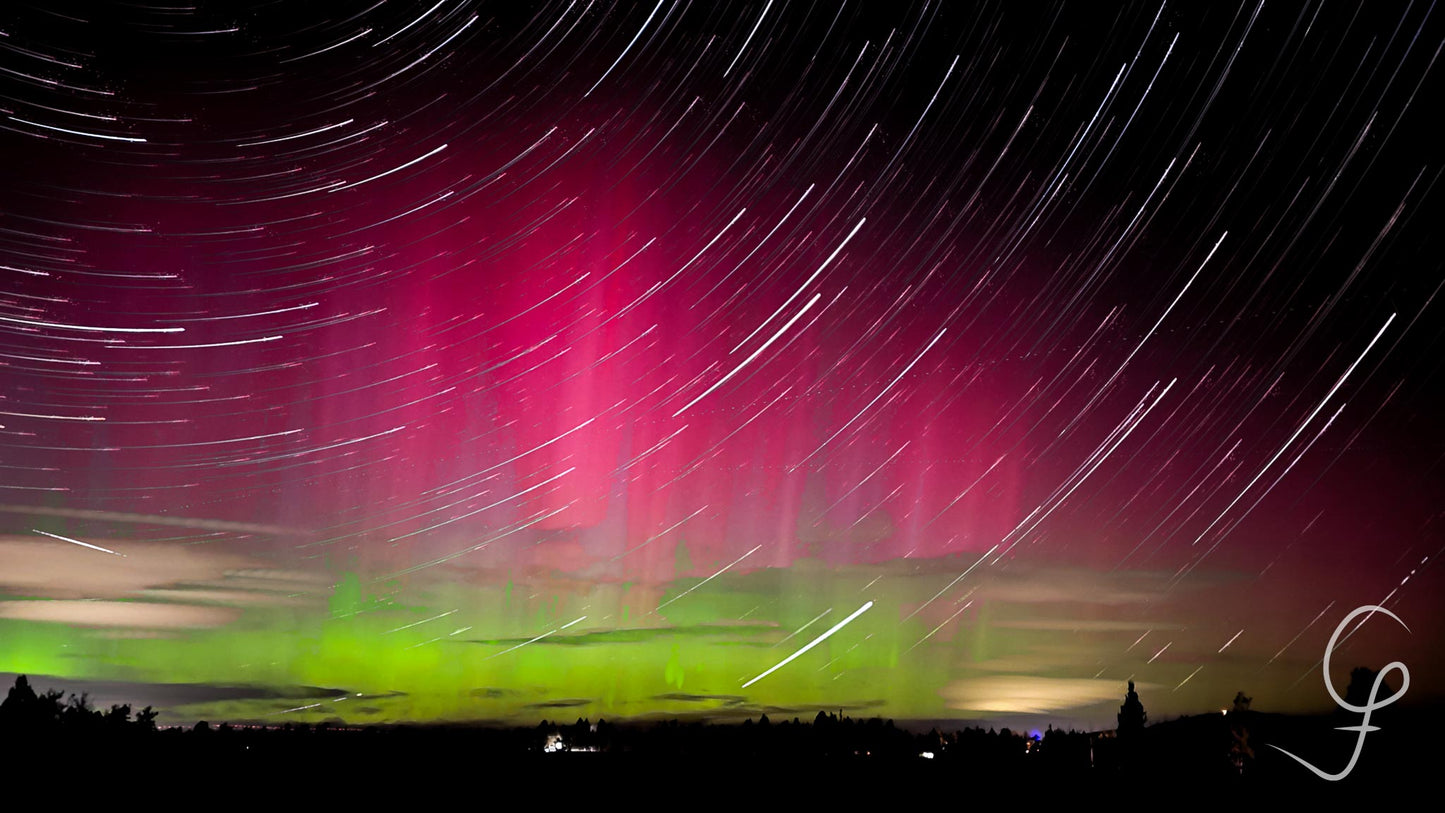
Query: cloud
[
  {"x": 142, "y": 693},
  {"x": 564, "y": 703},
  {"x": 1035, "y": 585},
  {"x": 144, "y": 615},
  {"x": 1026, "y": 694},
  {"x": 724, "y": 699},
  {"x": 49, "y": 568},
  {"x": 1086, "y": 625},
  {"x": 148, "y": 586}
]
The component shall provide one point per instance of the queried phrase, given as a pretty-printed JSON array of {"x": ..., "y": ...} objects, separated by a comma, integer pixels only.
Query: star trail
[{"x": 475, "y": 359}]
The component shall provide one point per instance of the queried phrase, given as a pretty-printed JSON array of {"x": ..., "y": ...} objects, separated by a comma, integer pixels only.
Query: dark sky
[{"x": 465, "y": 359}]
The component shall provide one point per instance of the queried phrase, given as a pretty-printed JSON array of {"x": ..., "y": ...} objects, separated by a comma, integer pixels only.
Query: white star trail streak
[
  {"x": 745, "y": 362},
  {"x": 820, "y": 639},
  {"x": 726, "y": 568},
  {"x": 78, "y": 542},
  {"x": 1300, "y": 428},
  {"x": 540, "y": 637}
]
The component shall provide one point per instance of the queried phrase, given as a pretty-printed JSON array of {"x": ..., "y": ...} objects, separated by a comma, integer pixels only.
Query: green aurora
[{"x": 488, "y": 652}]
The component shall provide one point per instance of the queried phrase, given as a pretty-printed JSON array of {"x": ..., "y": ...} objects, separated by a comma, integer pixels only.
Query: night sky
[{"x": 461, "y": 360}]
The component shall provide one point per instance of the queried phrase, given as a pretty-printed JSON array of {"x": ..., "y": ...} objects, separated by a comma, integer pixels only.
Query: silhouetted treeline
[
  {"x": 1225, "y": 750},
  {"x": 26, "y": 714}
]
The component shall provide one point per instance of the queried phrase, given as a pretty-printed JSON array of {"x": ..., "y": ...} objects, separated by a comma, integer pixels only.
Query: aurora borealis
[{"x": 481, "y": 361}]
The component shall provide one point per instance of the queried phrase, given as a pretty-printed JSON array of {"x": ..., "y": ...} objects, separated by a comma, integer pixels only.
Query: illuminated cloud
[
  {"x": 118, "y": 614},
  {"x": 1028, "y": 694},
  {"x": 162, "y": 586},
  {"x": 42, "y": 567}
]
